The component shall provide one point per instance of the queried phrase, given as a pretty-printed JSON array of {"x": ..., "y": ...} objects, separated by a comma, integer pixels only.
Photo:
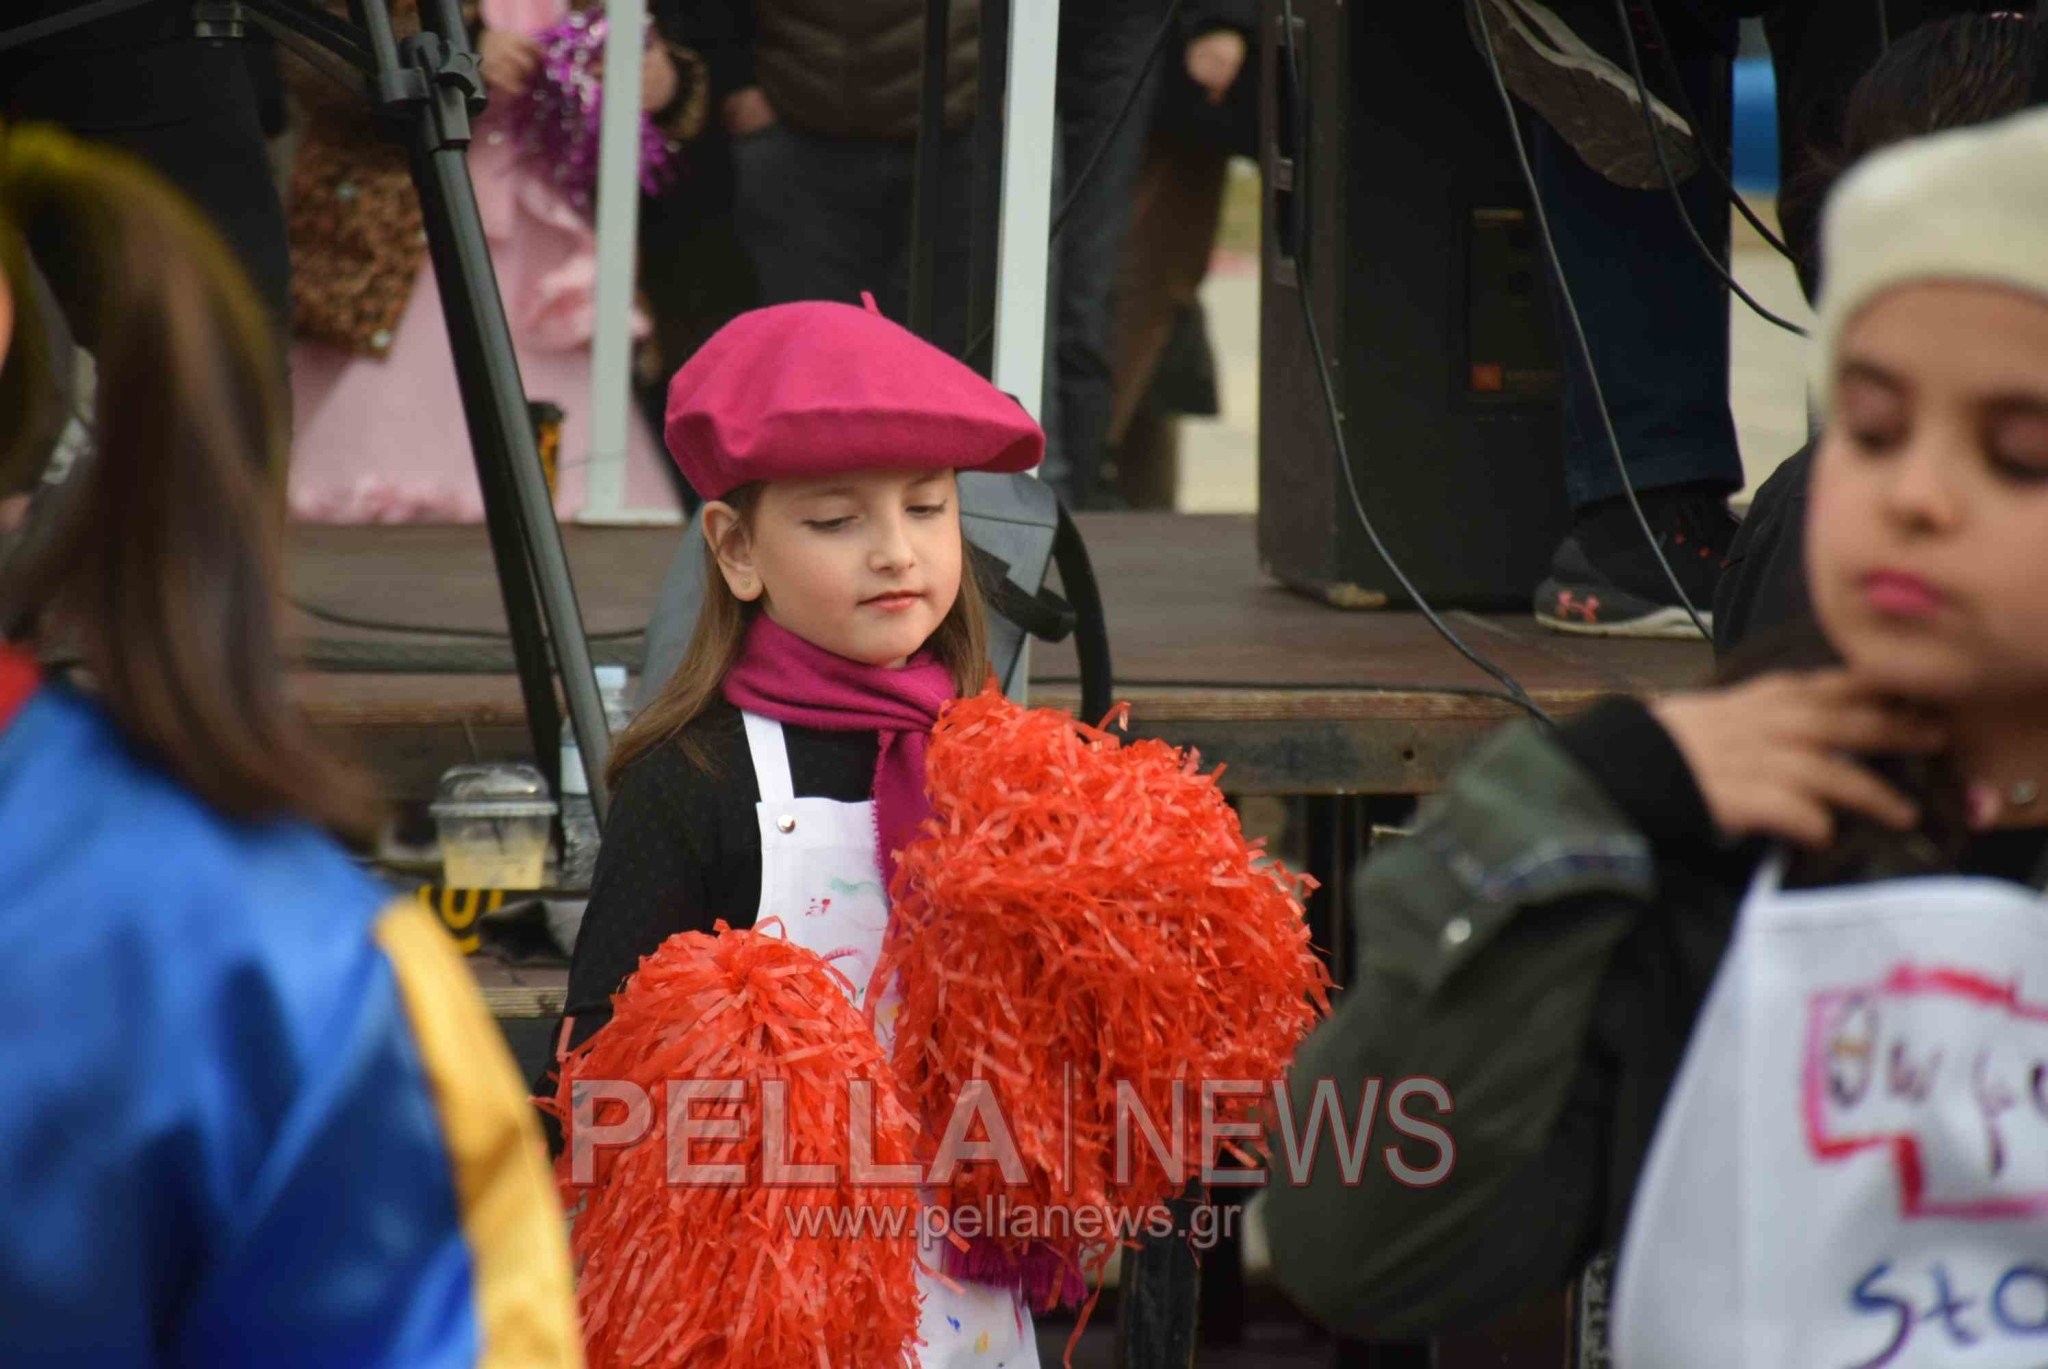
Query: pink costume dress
[{"x": 383, "y": 439}]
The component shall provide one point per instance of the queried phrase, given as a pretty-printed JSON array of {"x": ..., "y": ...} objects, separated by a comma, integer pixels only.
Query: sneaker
[
  {"x": 1569, "y": 61},
  {"x": 1605, "y": 582}
]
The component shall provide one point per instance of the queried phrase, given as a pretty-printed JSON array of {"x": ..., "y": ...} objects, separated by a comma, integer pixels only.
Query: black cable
[
  {"x": 1059, "y": 219},
  {"x": 1707, "y": 254},
  {"x": 1295, "y": 687},
  {"x": 1692, "y": 115},
  {"x": 481, "y": 634},
  {"x": 1777, "y": 244},
  {"x": 1515, "y": 693},
  {"x": 1571, "y": 308}
]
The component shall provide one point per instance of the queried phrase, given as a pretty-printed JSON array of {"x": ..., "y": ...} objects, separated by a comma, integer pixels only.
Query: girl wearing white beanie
[
  {"x": 1752, "y": 982},
  {"x": 1852, "y": 1166}
]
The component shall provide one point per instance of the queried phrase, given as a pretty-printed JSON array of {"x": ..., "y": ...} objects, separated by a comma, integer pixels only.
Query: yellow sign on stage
[{"x": 460, "y": 909}]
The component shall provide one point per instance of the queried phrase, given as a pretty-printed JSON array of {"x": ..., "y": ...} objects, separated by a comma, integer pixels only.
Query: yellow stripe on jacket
[{"x": 511, "y": 1218}]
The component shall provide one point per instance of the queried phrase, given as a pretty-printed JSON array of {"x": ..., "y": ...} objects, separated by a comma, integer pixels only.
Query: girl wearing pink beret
[{"x": 780, "y": 769}]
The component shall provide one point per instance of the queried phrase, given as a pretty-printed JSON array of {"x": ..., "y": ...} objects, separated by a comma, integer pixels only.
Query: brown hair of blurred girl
[{"x": 160, "y": 579}]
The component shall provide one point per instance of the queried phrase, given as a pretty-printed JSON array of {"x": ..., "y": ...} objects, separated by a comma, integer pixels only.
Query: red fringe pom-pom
[
  {"x": 738, "y": 1274},
  {"x": 1081, "y": 915}
]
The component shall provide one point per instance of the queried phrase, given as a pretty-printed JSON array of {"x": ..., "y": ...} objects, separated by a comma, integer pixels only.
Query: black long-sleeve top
[{"x": 682, "y": 848}]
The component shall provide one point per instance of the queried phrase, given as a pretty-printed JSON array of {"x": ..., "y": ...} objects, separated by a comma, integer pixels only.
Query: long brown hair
[
  {"x": 160, "y": 571},
  {"x": 960, "y": 642}
]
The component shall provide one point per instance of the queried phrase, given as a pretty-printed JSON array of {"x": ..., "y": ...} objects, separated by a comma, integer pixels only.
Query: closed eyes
[{"x": 846, "y": 520}]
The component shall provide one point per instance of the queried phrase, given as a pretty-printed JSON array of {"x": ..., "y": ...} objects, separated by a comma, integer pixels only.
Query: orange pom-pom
[
  {"x": 1081, "y": 914},
  {"x": 734, "y": 1273}
]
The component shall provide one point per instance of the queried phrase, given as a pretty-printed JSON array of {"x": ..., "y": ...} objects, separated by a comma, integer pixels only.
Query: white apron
[
  {"x": 1852, "y": 1168},
  {"x": 820, "y": 879}
]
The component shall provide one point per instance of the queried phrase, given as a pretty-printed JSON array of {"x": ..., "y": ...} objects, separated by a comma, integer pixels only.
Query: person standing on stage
[
  {"x": 1206, "y": 113},
  {"x": 820, "y": 101},
  {"x": 381, "y": 434},
  {"x": 257, "y": 1112},
  {"x": 1653, "y": 300}
]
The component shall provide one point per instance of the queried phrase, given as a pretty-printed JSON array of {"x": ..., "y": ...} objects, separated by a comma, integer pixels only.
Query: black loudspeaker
[{"x": 1395, "y": 201}]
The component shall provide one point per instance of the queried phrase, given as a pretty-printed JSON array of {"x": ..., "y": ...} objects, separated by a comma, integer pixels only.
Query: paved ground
[{"x": 1219, "y": 456}]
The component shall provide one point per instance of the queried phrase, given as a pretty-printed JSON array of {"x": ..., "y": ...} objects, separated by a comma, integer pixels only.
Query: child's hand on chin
[{"x": 1775, "y": 756}]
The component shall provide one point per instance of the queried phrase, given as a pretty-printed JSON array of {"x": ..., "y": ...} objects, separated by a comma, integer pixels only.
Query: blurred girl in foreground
[{"x": 258, "y": 1113}]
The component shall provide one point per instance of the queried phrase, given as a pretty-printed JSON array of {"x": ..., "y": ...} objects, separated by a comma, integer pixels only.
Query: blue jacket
[{"x": 257, "y": 1114}]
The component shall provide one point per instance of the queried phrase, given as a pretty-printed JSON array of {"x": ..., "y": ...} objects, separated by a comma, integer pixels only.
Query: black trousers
[
  {"x": 826, "y": 217},
  {"x": 141, "y": 82}
]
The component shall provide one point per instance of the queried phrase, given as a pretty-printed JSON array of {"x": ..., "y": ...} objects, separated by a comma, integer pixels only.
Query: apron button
[
  {"x": 785, "y": 823},
  {"x": 1457, "y": 931}
]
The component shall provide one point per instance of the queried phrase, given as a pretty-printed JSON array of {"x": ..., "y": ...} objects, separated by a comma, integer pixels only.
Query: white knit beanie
[{"x": 1967, "y": 205}]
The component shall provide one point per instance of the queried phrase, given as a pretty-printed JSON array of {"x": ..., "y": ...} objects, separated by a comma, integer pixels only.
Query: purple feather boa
[
  {"x": 562, "y": 110},
  {"x": 1042, "y": 1276}
]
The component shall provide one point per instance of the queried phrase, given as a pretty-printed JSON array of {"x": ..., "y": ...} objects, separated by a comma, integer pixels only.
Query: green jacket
[{"x": 1540, "y": 944}]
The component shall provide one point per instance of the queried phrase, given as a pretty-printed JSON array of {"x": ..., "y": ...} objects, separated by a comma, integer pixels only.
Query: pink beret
[{"x": 817, "y": 388}]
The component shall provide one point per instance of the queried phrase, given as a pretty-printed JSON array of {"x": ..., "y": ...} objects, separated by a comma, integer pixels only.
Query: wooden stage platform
[{"x": 1295, "y": 697}]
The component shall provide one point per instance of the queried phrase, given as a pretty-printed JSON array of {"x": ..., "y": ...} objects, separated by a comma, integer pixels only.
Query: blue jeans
[{"x": 1655, "y": 314}]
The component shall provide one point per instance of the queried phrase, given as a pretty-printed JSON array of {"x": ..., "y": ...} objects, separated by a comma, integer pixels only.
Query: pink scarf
[{"x": 779, "y": 675}]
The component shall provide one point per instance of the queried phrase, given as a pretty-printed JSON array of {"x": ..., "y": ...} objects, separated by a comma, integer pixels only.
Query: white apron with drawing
[
  {"x": 820, "y": 879},
  {"x": 1852, "y": 1168}
]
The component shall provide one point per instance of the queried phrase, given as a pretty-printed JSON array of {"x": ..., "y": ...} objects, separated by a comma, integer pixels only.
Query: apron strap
[
  {"x": 1770, "y": 871},
  {"x": 770, "y": 756}
]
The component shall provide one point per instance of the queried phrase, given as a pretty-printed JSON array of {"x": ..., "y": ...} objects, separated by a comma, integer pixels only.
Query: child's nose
[
  {"x": 1922, "y": 490},
  {"x": 891, "y": 549}
]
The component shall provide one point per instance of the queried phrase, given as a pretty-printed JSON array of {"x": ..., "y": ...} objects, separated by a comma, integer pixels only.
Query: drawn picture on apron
[
  {"x": 1852, "y": 1168},
  {"x": 821, "y": 884}
]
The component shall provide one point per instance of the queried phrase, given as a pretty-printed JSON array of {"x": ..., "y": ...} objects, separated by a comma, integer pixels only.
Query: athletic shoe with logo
[
  {"x": 1605, "y": 581},
  {"x": 1569, "y": 61}
]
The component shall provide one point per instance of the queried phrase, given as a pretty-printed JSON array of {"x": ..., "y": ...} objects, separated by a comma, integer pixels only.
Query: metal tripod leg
[
  {"x": 533, "y": 568},
  {"x": 491, "y": 440}
]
